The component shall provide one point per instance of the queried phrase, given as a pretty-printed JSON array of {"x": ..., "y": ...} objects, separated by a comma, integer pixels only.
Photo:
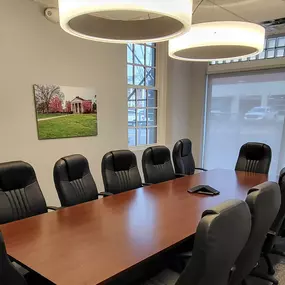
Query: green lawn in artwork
[{"x": 79, "y": 125}]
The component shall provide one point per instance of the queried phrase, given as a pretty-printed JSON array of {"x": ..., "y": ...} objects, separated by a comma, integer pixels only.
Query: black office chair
[
  {"x": 74, "y": 182},
  {"x": 20, "y": 193},
  {"x": 8, "y": 273},
  {"x": 220, "y": 237},
  {"x": 269, "y": 245},
  {"x": 282, "y": 209},
  {"x": 264, "y": 203},
  {"x": 183, "y": 158},
  {"x": 120, "y": 171},
  {"x": 157, "y": 166},
  {"x": 254, "y": 157}
]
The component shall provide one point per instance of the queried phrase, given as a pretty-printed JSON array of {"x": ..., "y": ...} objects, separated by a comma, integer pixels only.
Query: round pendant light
[
  {"x": 123, "y": 21},
  {"x": 218, "y": 41}
]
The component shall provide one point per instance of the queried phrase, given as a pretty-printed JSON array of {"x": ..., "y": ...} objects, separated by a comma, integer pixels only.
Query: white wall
[
  {"x": 196, "y": 108},
  {"x": 185, "y": 104},
  {"x": 179, "y": 95},
  {"x": 33, "y": 50}
]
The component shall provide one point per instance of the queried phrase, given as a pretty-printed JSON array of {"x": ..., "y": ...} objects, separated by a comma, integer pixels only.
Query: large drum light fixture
[
  {"x": 122, "y": 21},
  {"x": 218, "y": 41}
]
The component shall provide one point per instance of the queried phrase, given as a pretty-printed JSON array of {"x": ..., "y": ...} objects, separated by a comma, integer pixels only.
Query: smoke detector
[{"x": 52, "y": 15}]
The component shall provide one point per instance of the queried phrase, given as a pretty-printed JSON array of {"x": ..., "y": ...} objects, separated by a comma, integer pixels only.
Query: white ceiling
[
  {"x": 48, "y": 3},
  {"x": 251, "y": 10}
]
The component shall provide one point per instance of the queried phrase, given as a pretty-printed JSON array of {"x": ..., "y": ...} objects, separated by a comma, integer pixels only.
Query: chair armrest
[
  {"x": 178, "y": 175},
  {"x": 199, "y": 168},
  {"x": 269, "y": 242},
  {"x": 187, "y": 254},
  {"x": 272, "y": 233},
  {"x": 146, "y": 184},
  {"x": 233, "y": 269},
  {"x": 105, "y": 194},
  {"x": 53, "y": 208}
]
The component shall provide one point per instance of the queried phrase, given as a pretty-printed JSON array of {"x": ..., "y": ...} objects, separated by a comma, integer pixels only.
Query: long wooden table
[{"x": 95, "y": 241}]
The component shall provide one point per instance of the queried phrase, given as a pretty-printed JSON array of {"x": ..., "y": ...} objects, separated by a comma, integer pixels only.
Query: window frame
[
  {"x": 262, "y": 56},
  {"x": 159, "y": 87}
]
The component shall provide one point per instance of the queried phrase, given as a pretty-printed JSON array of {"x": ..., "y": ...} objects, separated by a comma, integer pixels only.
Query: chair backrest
[
  {"x": 220, "y": 237},
  {"x": 279, "y": 220},
  {"x": 156, "y": 164},
  {"x": 8, "y": 273},
  {"x": 120, "y": 171},
  {"x": 73, "y": 180},
  {"x": 183, "y": 158},
  {"x": 254, "y": 157},
  {"x": 281, "y": 214},
  {"x": 20, "y": 193},
  {"x": 264, "y": 202}
]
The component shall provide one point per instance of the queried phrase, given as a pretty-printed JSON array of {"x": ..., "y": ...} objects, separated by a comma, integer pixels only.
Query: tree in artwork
[
  {"x": 55, "y": 105},
  {"x": 87, "y": 106},
  {"x": 44, "y": 95},
  {"x": 95, "y": 107},
  {"x": 67, "y": 106}
]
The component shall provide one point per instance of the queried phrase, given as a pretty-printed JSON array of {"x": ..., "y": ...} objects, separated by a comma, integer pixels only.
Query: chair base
[
  {"x": 277, "y": 252},
  {"x": 269, "y": 264},
  {"x": 265, "y": 277}
]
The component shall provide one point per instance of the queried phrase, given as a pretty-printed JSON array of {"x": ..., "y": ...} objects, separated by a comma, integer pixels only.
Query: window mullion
[{"x": 141, "y": 130}]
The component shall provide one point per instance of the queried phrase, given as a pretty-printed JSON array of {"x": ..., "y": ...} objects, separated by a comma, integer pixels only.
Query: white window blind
[{"x": 242, "y": 108}]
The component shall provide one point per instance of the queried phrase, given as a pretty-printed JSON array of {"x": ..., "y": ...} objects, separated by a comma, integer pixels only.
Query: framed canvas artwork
[{"x": 65, "y": 111}]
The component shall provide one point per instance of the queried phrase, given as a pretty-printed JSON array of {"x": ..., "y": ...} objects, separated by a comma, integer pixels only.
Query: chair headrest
[
  {"x": 186, "y": 147},
  {"x": 282, "y": 177},
  {"x": 226, "y": 208},
  {"x": 160, "y": 154},
  {"x": 123, "y": 160},
  {"x": 77, "y": 166},
  {"x": 262, "y": 195},
  {"x": 16, "y": 175},
  {"x": 256, "y": 151}
]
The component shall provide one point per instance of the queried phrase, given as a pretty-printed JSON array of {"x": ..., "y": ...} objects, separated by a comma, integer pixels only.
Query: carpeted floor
[
  {"x": 168, "y": 277},
  {"x": 279, "y": 275},
  {"x": 279, "y": 266}
]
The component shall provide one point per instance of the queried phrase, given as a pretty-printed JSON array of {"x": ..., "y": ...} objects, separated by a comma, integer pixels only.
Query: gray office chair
[
  {"x": 8, "y": 273},
  {"x": 220, "y": 237},
  {"x": 254, "y": 157},
  {"x": 269, "y": 245},
  {"x": 264, "y": 203}
]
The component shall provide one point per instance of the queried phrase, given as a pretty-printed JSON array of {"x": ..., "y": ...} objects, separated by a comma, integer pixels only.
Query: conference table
[{"x": 94, "y": 242}]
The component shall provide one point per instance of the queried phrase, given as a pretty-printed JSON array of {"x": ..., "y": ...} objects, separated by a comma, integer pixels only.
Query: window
[
  {"x": 273, "y": 48},
  {"x": 242, "y": 108},
  {"x": 142, "y": 94}
]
